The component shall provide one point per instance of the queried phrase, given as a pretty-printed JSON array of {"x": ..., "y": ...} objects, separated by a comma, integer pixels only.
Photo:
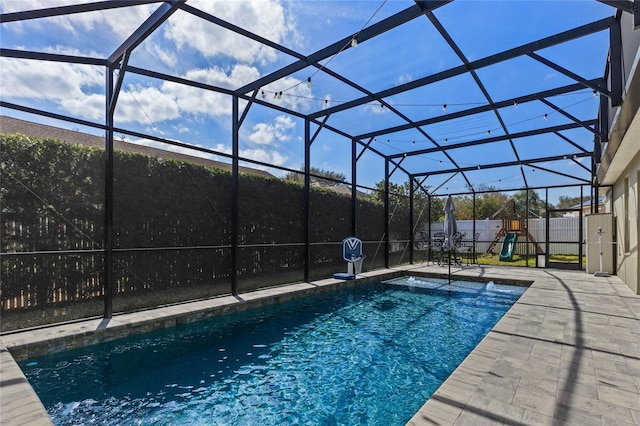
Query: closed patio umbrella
[{"x": 450, "y": 229}]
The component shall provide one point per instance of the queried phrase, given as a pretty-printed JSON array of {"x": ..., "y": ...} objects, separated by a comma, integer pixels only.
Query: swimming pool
[{"x": 371, "y": 355}]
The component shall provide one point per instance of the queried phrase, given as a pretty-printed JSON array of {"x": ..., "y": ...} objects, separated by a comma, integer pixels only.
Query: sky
[{"x": 189, "y": 47}]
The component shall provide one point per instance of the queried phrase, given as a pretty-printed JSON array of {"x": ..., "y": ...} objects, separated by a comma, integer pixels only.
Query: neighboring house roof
[
  {"x": 601, "y": 200},
  {"x": 10, "y": 125},
  {"x": 341, "y": 189}
]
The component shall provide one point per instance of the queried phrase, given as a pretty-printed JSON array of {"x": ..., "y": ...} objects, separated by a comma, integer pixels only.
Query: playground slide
[{"x": 508, "y": 246}]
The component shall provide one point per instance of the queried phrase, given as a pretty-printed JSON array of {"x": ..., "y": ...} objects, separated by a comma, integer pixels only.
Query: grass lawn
[{"x": 521, "y": 260}]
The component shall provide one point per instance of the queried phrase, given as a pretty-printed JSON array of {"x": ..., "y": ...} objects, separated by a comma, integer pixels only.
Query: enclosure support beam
[
  {"x": 524, "y": 49},
  {"x": 569, "y": 116},
  {"x": 587, "y": 169},
  {"x": 519, "y": 135},
  {"x": 547, "y": 244},
  {"x": 569, "y": 141},
  {"x": 333, "y": 49},
  {"x": 386, "y": 212},
  {"x": 116, "y": 92},
  {"x": 528, "y": 162},
  {"x": 452, "y": 44},
  {"x": 526, "y": 227},
  {"x": 624, "y": 5},
  {"x": 629, "y": 6},
  {"x": 354, "y": 189},
  {"x": 247, "y": 108},
  {"x": 307, "y": 200},
  {"x": 473, "y": 249},
  {"x": 397, "y": 165},
  {"x": 615, "y": 63},
  {"x": 411, "y": 221},
  {"x": 429, "y": 225},
  {"x": 256, "y": 100},
  {"x": 478, "y": 110},
  {"x": 35, "y": 111},
  {"x": 108, "y": 199},
  {"x": 69, "y": 10},
  {"x": 164, "y": 11},
  {"x": 364, "y": 148},
  {"x": 318, "y": 130},
  {"x": 453, "y": 174},
  {"x": 51, "y": 57},
  {"x": 235, "y": 176},
  {"x": 603, "y": 121},
  {"x": 593, "y": 188},
  {"x": 597, "y": 86},
  {"x": 594, "y": 168},
  {"x": 580, "y": 229}
]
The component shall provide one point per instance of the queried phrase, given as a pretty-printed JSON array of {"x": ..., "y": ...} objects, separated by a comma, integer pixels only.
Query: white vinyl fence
[{"x": 563, "y": 234}]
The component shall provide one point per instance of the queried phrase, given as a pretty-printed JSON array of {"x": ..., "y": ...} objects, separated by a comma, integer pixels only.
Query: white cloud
[
  {"x": 216, "y": 76},
  {"x": 123, "y": 24},
  {"x": 270, "y": 157},
  {"x": 72, "y": 86},
  {"x": 91, "y": 106},
  {"x": 22, "y": 78},
  {"x": 266, "y": 18},
  {"x": 190, "y": 100},
  {"x": 154, "y": 50},
  {"x": 278, "y": 131},
  {"x": 295, "y": 94},
  {"x": 258, "y": 154},
  {"x": 72, "y": 51},
  {"x": 198, "y": 101},
  {"x": 375, "y": 108},
  {"x": 79, "y": 89},
  {"x": 182, "y": 129},
  {"x": 262, "y": 134},
  {"x": 145, "y": 104},
  {"x": 119, "y": 23},
  {"x": 403, "y": 78}
]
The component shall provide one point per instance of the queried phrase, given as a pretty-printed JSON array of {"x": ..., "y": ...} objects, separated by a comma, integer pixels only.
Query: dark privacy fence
[{"x": 172, "y": 231}]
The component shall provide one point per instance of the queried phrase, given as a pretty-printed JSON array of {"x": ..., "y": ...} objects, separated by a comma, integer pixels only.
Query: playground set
[{"x": 512, "y": 228}]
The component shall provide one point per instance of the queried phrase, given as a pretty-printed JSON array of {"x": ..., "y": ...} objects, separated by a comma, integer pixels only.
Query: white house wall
[
  {"x": 620, "y": 166},
  {"x": 627, "y": 266}
]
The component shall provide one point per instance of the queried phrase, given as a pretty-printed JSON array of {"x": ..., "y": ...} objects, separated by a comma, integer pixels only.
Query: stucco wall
[
  {"x": 621, "y": 159},
  {"x": 627, "y": 266}
]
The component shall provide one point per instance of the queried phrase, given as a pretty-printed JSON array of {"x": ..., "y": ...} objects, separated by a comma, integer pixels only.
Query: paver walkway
[{"x": 567, "y": 353}]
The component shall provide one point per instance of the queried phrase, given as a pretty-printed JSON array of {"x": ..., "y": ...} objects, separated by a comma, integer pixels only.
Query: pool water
[{"x": 370, "y": 355}]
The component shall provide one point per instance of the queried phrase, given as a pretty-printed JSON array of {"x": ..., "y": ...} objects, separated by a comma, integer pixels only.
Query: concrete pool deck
[{"x": 568, "y": 351}]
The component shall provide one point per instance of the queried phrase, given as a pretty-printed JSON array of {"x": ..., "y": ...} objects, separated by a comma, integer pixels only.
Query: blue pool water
[{"x": 370, "y": 355}]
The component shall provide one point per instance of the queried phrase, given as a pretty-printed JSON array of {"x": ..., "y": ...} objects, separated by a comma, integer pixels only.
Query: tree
[
  {"x": 486, "y": 204},
  {"x": 536, "y": 205},
  {"x": 400, "y": 190},
  {"x": 464, "y": 207},
  {"x": 489, "y": 203},
  {"x": 566, "y": 202},
  {"x": 399, "y": 197}
]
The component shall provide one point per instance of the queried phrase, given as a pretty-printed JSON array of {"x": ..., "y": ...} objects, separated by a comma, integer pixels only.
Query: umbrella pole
[{"x": 449, "y": 262}]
